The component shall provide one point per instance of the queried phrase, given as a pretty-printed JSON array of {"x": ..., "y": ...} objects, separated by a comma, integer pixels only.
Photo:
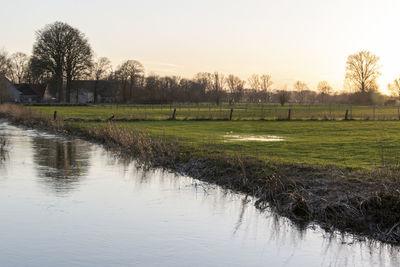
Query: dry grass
[{"x": 21, "y": 115}]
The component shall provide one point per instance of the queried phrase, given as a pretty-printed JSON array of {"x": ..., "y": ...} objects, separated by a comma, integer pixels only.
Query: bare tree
[
  {"x": 217, "y": 87},
  {"x": 205, "y": 79},
  {"x": 101, "y": 70},
  {"x": 283, "y": 96},
  {"x": 362, "y": 71},
  {"x": 19, "y": 67},
  {"x": 61, "y": 49},
  {"x": 394, "y": 87},
  {"x": 254, "y": 82},
  {"x": 324, "y": 89},
  {"x": 129, "y": 74},
  {"x": 235, "y": 86},
  {"x": 301, "y": 89},
  {"x": 49, "y": 53},
  {"x": 265, "y": 86}
]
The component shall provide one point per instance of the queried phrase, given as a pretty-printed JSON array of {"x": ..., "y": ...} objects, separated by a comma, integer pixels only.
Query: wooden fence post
[
  {"x": 346, "y": 116},
  {"x": 173, "y": 114},
  {"x": 55, "y": 115},
  {"x": 289, "y": 116},
  {"x": 230, "y": 116}
]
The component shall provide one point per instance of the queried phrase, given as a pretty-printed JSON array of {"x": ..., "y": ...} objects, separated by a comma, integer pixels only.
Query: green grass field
[
  {"x": 240, "y": 112},
  {"x": 355, "y": 144}
]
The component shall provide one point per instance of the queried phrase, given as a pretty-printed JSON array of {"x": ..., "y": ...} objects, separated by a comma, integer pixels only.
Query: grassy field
[
  {"x": 355, "y": 144},
  {"x": 240, "y": 112}
]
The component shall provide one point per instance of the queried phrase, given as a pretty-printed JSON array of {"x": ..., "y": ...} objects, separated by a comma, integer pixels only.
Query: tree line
[{"x": 62, "y": 54}]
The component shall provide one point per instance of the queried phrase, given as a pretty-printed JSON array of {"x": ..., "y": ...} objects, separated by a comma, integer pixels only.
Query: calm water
[{"x": 69, "y": 203}]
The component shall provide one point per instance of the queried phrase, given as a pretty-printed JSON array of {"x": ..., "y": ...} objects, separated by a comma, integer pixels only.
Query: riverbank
[{"x": 357, "y": 201}]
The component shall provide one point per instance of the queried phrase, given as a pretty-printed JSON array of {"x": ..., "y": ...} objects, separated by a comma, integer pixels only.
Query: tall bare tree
[
  {"x": 235, "y": 86},
  {"x": 362, "y": 71},
  {"x": 129, "y": 74},
  {"x": 324, "y": 89},
  {"x": 301, "y": 89},
  {"x": 101, "y": 69},
  {"x": 61, "y": 49},
  {"x": 254, "y": 82},
  {"x": 49, "y": 53},
  {"x": 217, "y": 87},
  {"x": 19, "y": 67},
  {"x": 265, "y": 86}
]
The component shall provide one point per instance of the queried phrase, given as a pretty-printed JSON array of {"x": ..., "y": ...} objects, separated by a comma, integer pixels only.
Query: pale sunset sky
[{"x": 306, "y": 40}]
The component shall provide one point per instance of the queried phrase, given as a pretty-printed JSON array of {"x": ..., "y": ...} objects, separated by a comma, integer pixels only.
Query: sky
[{"x": 307, "y": 40}]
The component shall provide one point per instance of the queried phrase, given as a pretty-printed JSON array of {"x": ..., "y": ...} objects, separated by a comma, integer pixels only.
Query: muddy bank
[{"x": 360, "y": 202}]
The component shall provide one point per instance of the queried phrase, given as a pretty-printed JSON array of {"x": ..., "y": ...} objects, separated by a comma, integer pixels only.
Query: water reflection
[
  {"x": 60, "y": 163},
  {"x": 3, "y": 148}
]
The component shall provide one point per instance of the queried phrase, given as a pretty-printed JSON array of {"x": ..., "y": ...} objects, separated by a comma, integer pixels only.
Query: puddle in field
[{"x": 260, "y": 138}]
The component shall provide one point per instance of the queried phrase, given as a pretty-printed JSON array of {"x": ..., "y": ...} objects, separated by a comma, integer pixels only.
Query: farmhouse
[
  {"x": 83, "y": 91},
  {"x": 31, "y": 93},
  {"x": 8, "y": 92}
]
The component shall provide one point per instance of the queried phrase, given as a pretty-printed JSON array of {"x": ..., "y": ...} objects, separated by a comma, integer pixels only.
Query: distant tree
[
  {"x": 324, "y": 89},
  {"x": 203, "y": 81},
  {"x": 301, "y": 89},
  {"x": 362, "y": 71},
  {"x": 101, "y": 70},
  {"x": 78, "y": 59},
  {"x": 19, "y": 67},
  {"x": 193, "y": 90},
  {"x": 235, "y": 86},
  {"x": 254, "y": 82},
  {"x": 394, "y": 87},
  {"x": 217, "y": 87},
  {"x": 129, "y": 73},
  {"x": 283, "y": 96},
  {"x": 5, "y": 64},
  {"x": 265, "y": 86}
]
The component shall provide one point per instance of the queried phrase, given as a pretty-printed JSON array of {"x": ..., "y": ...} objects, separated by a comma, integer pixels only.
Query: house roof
[
  {"x": 105, "y": 88},
  {"x": 31, "y": 89}
]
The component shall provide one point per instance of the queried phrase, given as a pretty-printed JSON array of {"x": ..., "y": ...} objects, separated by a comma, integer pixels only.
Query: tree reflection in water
[
  {"x": 61, "y": 163},
  {"x": 3, "y": 148}
]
